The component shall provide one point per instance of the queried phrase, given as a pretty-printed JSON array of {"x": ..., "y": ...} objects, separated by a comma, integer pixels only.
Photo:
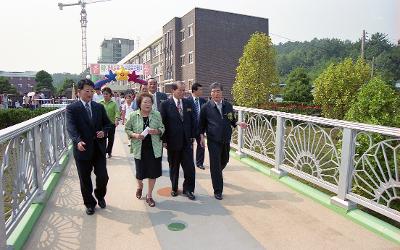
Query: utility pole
[
  {"x": 363, "y": 44},
  {"x": 372, "y": 67}
]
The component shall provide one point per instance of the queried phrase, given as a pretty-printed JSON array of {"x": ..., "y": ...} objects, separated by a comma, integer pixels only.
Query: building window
[
  {"x": 191, "y": 57},
  {"x": 182, "y": 60},
  {"x": 190, "y": 83},
  {"x": 190, "y": 30},
  {"x": 182, "y": 35}
]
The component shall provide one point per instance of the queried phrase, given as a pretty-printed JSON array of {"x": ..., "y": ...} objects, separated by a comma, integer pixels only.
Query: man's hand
[
  {"x": 100, "y": 134},
  {"x": 80, "y": 146},
  {"x": 242, "y": 125},
  {"x": 153, "y": 131},
  {"x": 116, "y": 122},
  {"x": 165, "y": 145},
  {"x": 202, "y": 141}
]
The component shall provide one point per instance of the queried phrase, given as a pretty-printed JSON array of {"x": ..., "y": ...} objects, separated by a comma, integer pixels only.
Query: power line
[{"x": 293, "y": 40}]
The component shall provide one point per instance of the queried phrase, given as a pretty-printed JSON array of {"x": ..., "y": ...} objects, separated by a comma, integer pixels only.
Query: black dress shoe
[
  {"x": 102, "y": 203},
  {"x": 218, "y": 196},
  {"x": 190, "y": 195},
  {"x": 90, "y": 210},
  {"x": 174, "y": 193},
  {"x": 109, "y": 155},
  {"x": 201, "y": 167}
]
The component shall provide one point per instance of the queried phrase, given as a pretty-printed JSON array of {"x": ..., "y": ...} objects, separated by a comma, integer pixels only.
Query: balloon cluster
[{"x": 121, "y": 75}]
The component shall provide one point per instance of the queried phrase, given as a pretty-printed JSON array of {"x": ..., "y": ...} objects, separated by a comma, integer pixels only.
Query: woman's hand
[
  {"x": 137, "y": 136},
  {"x": 154, "y": 131}
]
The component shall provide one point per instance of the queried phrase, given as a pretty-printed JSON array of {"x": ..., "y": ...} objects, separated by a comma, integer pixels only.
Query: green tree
[
  {"x": 67, "y": 84},
  {"x": 44, "y": 81},
  {"x": 376, "y": 103},
  {"x": 377, "y": 44},
  {"x": 387, "y": 65},
  {"x": 6, "y": 87},
  {"x": 256, "y": 77},
  {"x": 337, "y": 86},
  {"x": 298, "y": 87}
]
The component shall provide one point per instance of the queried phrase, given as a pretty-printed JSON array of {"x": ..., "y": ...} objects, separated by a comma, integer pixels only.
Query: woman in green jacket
[{"x": 146, "y": 147}]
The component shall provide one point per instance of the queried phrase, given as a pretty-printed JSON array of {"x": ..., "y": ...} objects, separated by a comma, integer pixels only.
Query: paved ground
[{"x": 256, "y": 213}]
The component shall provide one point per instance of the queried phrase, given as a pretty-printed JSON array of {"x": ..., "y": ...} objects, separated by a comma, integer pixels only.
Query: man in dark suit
[
  {"x": 87, "y": 125},
  {"x": 198, "y": 102},
  {"x": 180, "y": 130},
  {"x": 158, "y": 97},
  {"x": 216, "y": 120}
]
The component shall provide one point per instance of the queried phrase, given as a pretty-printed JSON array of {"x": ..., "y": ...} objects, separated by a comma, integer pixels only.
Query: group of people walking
[{"x": 158, "y": 121}]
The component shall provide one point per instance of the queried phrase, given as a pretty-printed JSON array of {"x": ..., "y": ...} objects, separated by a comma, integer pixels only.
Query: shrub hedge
[{"x": 10, "y": 117}]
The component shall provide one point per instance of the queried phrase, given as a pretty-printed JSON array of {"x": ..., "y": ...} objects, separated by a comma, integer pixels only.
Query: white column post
[
  {"x": 279, "y": 147},
  {"x": 345, "y": 170}
]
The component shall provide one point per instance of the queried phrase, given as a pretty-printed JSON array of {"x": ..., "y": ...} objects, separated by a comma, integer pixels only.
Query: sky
[{"x": 36, "y": 35}]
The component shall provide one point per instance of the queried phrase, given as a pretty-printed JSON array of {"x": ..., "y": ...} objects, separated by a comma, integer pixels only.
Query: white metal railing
[
  {"x": 30, "y": 151},
  {"x": 358, "y": 162}
]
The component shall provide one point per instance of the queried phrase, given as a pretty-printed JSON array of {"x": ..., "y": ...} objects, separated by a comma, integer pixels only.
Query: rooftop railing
[
  {"x": 29, "y": 152},
  {"x": 357, "y": 162}
]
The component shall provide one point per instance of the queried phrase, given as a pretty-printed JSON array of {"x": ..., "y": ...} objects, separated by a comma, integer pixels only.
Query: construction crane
[{"x": 83, "y": 26}]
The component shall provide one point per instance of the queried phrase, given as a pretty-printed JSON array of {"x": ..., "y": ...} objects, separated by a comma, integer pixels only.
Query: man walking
[
  {"x": 87, "y": 125},
  {"x": 180, "y": 130},
  {"x": 216, "y": 120},
  {"x": 198, "y": 102},
  {"x": 158, "y": 97}
]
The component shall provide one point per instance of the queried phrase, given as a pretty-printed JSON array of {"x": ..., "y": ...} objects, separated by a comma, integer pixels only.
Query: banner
[{"x": 102, "y": 69}]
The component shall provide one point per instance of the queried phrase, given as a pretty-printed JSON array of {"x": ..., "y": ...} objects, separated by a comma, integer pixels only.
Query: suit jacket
[
  {"x": 202, "y": 101},
  {"x": 218, "y": 128},
  {"x": 135, "y": 125},
  {"x": 178, "y": 132},
  {"x": 160, "y": 97},
  {"x": 81, "y": 128}
]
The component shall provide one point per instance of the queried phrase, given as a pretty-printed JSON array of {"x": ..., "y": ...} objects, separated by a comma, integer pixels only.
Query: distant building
[
  {"x": 112, "y": 51},
  {"x": 203, "y": 46},
  {"x": 24, "y": 82}
]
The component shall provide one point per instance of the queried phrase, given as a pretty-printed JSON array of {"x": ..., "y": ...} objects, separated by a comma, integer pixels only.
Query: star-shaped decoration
[
  {"x": 135, "y": 78},
  {"x": 122, "y": 74},
  {"x": 111, "y": 76}
]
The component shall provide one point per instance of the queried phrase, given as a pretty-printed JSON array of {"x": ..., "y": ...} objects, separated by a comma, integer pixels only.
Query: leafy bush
[
  {"x": 337, "y": 86},
  {"x": 10, "y": 117},
  {"x": 298, "y": 87}
]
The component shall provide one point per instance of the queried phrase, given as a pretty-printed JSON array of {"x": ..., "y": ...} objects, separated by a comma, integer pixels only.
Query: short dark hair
[
  {"x": 107, "y": 89},
  {"x": 216, "y": 85},
  {"x": 196, "y": 86},
  {"x": 174, "y": 85},
  {"x": 152, "y": 78},
  {"x": 81, "y": 84},
  {"x": 139, "y": 99}
]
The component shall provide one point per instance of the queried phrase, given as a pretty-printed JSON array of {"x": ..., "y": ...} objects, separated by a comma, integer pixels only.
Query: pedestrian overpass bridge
[{"x": 293, "y": 182}]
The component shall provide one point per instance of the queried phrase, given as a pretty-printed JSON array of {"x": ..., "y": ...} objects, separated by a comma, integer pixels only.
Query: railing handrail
[
  {"x": 391, "y": 131},
  {"x": 17, "y": 129}
]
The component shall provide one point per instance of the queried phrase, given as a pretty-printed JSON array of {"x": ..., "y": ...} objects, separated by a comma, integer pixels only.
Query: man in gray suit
[{"x": 159, "y": 97}]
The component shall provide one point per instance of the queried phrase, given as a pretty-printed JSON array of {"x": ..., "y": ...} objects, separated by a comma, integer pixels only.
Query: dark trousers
[
  {"x": 219, "y": 157},
  {"x": 110, "y": 139},
  {"x": 98, "y": 163},
  {"x": 184, "y": 158},
  {"x": 199, "y": 153}
]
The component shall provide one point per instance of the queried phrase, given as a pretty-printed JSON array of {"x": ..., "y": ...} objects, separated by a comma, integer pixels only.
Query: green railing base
[{"x": 362, "y": 218}]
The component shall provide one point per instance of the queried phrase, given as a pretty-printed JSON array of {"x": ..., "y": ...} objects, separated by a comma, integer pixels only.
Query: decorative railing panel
[
  {"x": 358, "y": 162},
  {"x": 29, "y": 153}
]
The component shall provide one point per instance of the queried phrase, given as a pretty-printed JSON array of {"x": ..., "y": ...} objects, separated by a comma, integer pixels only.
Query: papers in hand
[{"x": 145, "y": 131}]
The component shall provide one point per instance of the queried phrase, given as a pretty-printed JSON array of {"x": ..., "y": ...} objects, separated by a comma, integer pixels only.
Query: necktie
[
  {"x": 89, "y": 112},
  {"x": 219, "y": 106},
  {"x": 197, "y": 106},
  {"x": 179, "y": 106}
]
